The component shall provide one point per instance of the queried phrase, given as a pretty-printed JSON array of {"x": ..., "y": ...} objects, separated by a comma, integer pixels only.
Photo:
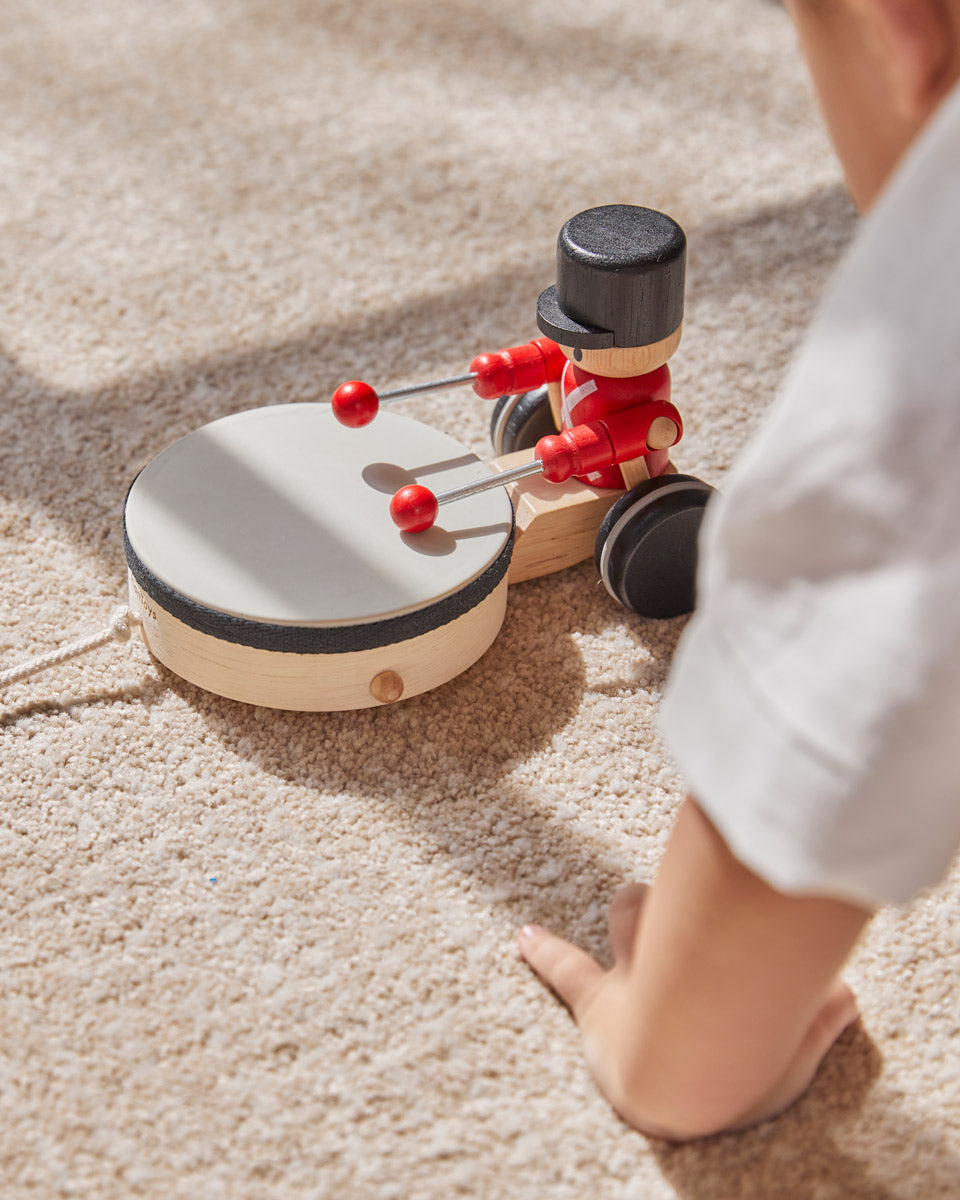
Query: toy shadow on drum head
[{"x": 267, "y": 562}]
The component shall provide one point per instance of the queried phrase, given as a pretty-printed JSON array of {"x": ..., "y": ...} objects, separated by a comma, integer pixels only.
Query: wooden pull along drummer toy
[
  {"x": 589, "y": 404},
  {"x": 292, "y": 556}
]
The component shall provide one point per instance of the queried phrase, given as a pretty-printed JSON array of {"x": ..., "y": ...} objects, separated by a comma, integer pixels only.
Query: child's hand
[
  {"x": 723, "y": 996},
  {"x": 571, "y": 972},
  {"x": 592, "y": 994},
  {"x": 576, "y": 977}
]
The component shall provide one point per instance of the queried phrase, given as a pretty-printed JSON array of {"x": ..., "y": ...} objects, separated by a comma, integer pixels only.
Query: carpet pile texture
[{"x": 253, "y": 954}]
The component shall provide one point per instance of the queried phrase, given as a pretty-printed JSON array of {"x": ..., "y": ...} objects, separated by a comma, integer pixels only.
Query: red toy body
[{"x": 585, "y": 397}]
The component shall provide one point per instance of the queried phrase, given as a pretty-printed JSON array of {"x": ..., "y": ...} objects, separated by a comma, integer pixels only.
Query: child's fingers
[
  {"x": 565, "y": 968},
  {"x": 624, "y": 918}
]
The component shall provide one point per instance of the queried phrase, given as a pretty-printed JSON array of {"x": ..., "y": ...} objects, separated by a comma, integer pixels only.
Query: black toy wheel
[
  {"x": 519, "y": 422},
  {"x": 646, "y": 548}
]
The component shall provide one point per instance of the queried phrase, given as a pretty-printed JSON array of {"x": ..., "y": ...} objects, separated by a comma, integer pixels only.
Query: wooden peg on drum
[
  {"x": 579, "y": 451},
  {"x": 514, "y": 369}
]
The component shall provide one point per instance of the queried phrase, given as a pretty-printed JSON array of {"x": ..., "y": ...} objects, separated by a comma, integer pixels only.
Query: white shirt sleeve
[{"x": 814, "y": 703}]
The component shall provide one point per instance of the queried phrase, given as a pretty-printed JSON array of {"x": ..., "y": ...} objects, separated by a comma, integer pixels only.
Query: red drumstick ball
[
  {"x": 355, "y": 403},
  {"x": 414, "y": 508}
]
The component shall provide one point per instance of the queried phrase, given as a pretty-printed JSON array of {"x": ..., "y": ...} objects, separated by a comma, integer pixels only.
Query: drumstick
[
  {"x": 414, "y": 508},
  {"x": 578, "y": 451},
  {"x": 355, "y": 403},
  {"x": 516, "y": 369}
]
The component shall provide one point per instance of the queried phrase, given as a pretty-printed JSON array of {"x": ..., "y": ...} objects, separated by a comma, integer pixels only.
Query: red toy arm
[
  {"x": 583, "y": 449},
  {"x": 577, "y": 451},
  {"x": 505, "y": 372},
  {"x": 517, "y": 369}
]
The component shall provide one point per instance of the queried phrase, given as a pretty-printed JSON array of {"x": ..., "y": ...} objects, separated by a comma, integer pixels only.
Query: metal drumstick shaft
[
  {"x": 434, "y": 385},
  {"x": 501, "y": 479}
]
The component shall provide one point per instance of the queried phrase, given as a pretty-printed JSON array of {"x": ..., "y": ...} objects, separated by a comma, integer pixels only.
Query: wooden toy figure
[
  {"x": 592, "y": 400},
  {"x": 615, "y": 317}
]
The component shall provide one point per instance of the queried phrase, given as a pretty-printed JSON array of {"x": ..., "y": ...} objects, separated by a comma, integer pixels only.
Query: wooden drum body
[{"x": 264, "y": 565}]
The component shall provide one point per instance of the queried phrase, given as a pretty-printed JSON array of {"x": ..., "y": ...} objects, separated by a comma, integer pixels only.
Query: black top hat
[{"x": 620, "y": 272}]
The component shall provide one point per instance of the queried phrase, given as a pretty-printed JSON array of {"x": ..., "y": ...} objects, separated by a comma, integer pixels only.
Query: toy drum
[{"x": 264, "y": 565}]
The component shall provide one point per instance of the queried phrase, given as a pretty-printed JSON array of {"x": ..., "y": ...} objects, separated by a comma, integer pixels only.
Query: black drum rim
[{"x": 318, "y": 639}]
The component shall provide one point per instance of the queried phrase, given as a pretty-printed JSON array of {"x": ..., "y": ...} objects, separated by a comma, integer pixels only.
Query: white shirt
[{"x": 814, "y": 703}]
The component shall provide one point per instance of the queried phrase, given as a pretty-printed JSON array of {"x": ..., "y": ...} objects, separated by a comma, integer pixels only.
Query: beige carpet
[{"x": 260, "y": 955}]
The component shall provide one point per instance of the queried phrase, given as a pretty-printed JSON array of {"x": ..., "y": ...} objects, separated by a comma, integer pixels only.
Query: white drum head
[{"x": 270, "y": 530}]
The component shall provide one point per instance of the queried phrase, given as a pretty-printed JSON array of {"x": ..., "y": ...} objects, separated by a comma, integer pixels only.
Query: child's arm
[{"x": 724, "y": 996}]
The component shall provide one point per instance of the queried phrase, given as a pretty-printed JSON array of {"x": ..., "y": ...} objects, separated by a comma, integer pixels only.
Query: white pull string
[{"x": 121, "y": 623}]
